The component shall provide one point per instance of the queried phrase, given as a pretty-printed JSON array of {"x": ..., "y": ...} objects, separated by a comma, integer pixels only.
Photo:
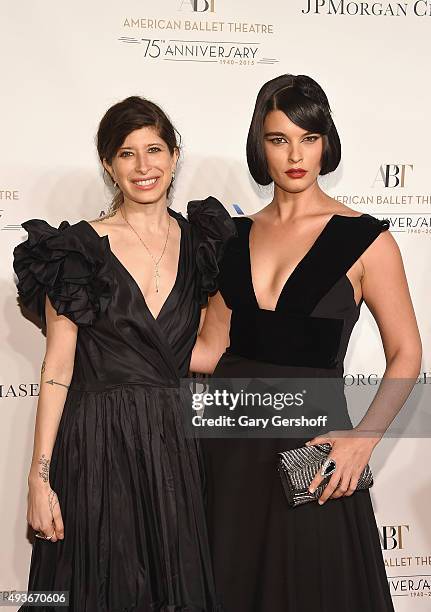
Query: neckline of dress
[
  {"x": 300, "y": 263},
  {"x": 134, "y": 282}
]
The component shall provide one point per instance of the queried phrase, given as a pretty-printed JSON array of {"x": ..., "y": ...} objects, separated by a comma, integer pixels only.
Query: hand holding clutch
[{"x": 298, "y": 468}]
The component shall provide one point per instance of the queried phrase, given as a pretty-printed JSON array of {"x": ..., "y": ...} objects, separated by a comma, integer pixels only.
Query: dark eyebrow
[
  {"x": 284, "y": 135},
  {"x": 274, "y": 134},
  {"x": 152, "y": 144}
]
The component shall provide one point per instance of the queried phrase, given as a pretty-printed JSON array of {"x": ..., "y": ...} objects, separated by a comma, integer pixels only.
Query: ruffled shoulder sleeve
[
  {"x": 213, "y": 228},
  {"x": 69, "y": 264}
]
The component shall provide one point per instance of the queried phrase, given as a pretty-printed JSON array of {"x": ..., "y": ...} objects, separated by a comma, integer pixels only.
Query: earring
[{"x": 173, "y": 176}]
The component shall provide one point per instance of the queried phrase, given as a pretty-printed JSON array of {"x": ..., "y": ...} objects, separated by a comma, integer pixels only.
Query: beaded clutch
[{"x": 298, "y": 467}]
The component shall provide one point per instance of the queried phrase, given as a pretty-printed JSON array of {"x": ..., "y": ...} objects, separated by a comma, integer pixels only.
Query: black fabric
[
  {"x": 75, "y": 274},
  {"x": 335, "y": 251},
  {"x": 129, "y": 481},
  {"x": 213, "y": 232},
  {"x": 268, "y": 556},
  {"x": 293, "y": 340}
]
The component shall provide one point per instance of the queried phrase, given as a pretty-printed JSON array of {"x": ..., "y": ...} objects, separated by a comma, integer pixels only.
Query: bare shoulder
[
  {"x": 262, "y": 216},
  {"x": 383, "y": 256},
  {"x": 104, "y": 226},
  {"x": 329, "y": 206},
  {"x": 337, "y": 208},
  {"x": 345, "y": 211}
]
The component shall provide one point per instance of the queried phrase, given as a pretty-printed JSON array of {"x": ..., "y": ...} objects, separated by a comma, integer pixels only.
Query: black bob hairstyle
[{"x": 305, "y": 104}]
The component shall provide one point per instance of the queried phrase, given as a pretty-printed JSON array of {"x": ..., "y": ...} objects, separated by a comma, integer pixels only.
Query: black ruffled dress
[{"x": 128, "y": 478}]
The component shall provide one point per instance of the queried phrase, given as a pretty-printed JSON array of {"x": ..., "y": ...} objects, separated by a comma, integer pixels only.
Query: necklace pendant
[{"x": 156, "y": 263}]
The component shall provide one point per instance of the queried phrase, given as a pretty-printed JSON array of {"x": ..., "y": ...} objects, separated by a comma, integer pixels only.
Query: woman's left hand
[{"x": 351, "y": 452}]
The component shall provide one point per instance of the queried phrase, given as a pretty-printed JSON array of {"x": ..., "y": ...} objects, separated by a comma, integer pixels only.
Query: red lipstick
[{"x": 296, "y": 173}]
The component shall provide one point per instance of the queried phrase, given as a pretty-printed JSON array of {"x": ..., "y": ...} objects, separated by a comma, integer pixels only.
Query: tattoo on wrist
[
  {"x": 44, "y": 473},
  {"x": 54, "y": 382},
  {"x": 52, "y": 501}
]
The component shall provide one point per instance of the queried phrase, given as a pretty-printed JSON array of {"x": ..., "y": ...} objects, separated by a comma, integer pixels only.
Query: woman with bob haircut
[
  {"x": 115, "y": 489},
  {"x": 291, "y": 285}
]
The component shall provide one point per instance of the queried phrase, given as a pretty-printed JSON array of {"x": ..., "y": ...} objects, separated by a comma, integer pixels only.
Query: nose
[
  {"x": 143, "y": 163},
  {"x": 295, "y": 155}
]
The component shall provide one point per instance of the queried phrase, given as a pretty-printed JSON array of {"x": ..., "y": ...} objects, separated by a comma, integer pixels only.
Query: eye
[
  {"x": 311, "y": 138},
  {"x": 125, "y": 153},
  {"x": 154, "y": 149},
  {"x": 277, "y": 140}
]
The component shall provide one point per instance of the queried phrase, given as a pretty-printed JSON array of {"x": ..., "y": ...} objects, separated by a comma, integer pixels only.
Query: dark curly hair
[{"x": 306, "y": 104}]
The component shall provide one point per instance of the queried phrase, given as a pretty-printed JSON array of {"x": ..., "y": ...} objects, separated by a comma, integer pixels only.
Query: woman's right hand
[{"x": 44, "y": 513}]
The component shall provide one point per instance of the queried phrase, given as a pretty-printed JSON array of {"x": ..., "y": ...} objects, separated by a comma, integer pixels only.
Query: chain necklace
[{"x": 156, "y": 263}]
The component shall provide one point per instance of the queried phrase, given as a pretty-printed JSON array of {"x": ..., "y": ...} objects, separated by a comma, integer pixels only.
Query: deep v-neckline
[
  {"x": 138, "y": 289},
  {"x": 295, "y": 270}
]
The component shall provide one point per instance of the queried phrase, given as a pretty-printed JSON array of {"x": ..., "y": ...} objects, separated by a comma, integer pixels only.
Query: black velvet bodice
[{"x": 316, "y": 310}]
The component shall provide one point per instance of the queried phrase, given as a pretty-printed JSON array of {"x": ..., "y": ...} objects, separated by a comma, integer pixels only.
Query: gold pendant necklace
[{"x": 156, "y": 263}]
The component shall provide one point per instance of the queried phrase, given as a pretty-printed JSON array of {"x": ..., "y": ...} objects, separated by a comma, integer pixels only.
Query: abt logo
[
  {"x": 197, "y": 6},
  {"x": 391, "y": 536},
  {"x": 393, "y": 175}
]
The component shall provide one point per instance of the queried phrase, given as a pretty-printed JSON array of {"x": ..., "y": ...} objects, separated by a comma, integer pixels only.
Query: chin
[
  {"x": 293, "y": 188},
  {"x": 295, "y": 185},
  {"x": 148, "y": 197}
]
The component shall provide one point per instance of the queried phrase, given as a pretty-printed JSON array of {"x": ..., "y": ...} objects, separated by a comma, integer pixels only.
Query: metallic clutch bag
[{"x": 298, "y": 467}]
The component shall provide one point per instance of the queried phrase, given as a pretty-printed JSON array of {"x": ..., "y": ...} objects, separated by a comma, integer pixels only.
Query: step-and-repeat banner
[{"x": 64, "y": 64}]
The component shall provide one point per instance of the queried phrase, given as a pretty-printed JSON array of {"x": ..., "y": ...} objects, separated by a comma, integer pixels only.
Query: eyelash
[
  {"x": 150, "y": 150},
  {"x": 278, "y": 139}
]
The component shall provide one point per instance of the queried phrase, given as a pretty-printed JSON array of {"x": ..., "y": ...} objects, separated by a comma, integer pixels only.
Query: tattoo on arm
[
  {"x": 44, "y": 473},
  {"x": 54, "y": 382},
  {"x": 52, "y": 501}
]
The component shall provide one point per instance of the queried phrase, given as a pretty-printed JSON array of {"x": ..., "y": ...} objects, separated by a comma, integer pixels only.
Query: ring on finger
[
  {"x": 42, "y": 536},
  {"x": 329, "y": 466}
]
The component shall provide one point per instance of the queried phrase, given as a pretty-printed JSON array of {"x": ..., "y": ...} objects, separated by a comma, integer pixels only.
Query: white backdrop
[{"x": 64, "y": 64}]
